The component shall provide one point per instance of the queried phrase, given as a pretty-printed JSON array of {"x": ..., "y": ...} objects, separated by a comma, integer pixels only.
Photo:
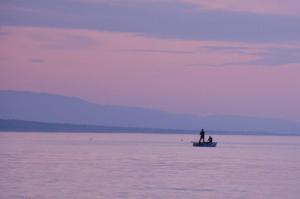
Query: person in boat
[
  {"x": 210, "y": 139},
  {"x": 202, "y": 134}
]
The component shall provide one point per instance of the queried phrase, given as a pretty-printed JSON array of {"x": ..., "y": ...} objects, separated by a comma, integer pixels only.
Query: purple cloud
[{"x": 159, "y": 19}]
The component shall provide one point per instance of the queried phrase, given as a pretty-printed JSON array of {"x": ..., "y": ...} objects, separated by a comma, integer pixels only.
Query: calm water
[{"x": 65, "y": 165}]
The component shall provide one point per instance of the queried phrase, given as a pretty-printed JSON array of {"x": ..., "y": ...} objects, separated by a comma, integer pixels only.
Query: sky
[{"x": 200, "y": 57}]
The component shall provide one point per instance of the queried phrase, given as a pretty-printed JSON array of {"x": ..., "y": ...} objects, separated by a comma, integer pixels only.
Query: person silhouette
[
  {"x": 202, "y": 135},
  {"x": 210, "y": 139}
]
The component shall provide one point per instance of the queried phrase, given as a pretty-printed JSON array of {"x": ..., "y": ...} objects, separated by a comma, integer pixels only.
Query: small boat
[{"x": 205, "y": 144}]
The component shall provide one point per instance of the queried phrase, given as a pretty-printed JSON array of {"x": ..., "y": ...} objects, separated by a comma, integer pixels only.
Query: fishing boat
[{"x": 204, "y": 144}]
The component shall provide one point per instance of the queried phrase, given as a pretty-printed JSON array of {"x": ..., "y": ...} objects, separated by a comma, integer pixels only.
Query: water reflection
[{"x": 35, "y": 165}]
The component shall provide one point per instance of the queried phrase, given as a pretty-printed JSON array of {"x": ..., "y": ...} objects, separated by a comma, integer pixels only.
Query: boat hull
[{"x": 205, "y": 144}]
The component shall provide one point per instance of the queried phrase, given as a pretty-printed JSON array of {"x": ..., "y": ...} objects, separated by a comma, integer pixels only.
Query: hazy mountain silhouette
[
  {"x": 10, "y": 125},
  {"x": 43, "y": 107}
]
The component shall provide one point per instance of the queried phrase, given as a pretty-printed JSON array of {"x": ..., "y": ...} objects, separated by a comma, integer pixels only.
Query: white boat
[{"x": 205, "y": 144}]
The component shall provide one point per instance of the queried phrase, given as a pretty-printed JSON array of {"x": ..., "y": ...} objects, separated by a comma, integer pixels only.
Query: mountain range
[{"x": 53, "y": 108}]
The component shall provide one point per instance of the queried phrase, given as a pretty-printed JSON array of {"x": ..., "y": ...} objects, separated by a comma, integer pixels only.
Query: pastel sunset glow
[{"x": 185, "y": 56}]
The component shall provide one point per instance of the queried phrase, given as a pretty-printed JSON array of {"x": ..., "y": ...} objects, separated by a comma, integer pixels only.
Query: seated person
[{"x": 210, "y": 140}]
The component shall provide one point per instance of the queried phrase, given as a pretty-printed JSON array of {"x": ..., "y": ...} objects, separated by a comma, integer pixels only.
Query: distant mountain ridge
[
  {"x": 8, "y": 125},
  {"x": 44, "y": 107}
]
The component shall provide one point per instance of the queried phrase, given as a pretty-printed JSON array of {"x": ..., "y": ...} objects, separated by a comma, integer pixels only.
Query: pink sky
[
  {"x": 165, "y": 74},
  {"x": 201, "y": 76}
]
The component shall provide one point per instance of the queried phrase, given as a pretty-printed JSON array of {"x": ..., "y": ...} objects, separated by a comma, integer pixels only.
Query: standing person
[{"x": 202, "y": 134}]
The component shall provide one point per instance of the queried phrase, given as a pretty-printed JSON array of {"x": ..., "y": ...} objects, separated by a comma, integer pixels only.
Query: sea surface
[{"x": 131, "y": 165}]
